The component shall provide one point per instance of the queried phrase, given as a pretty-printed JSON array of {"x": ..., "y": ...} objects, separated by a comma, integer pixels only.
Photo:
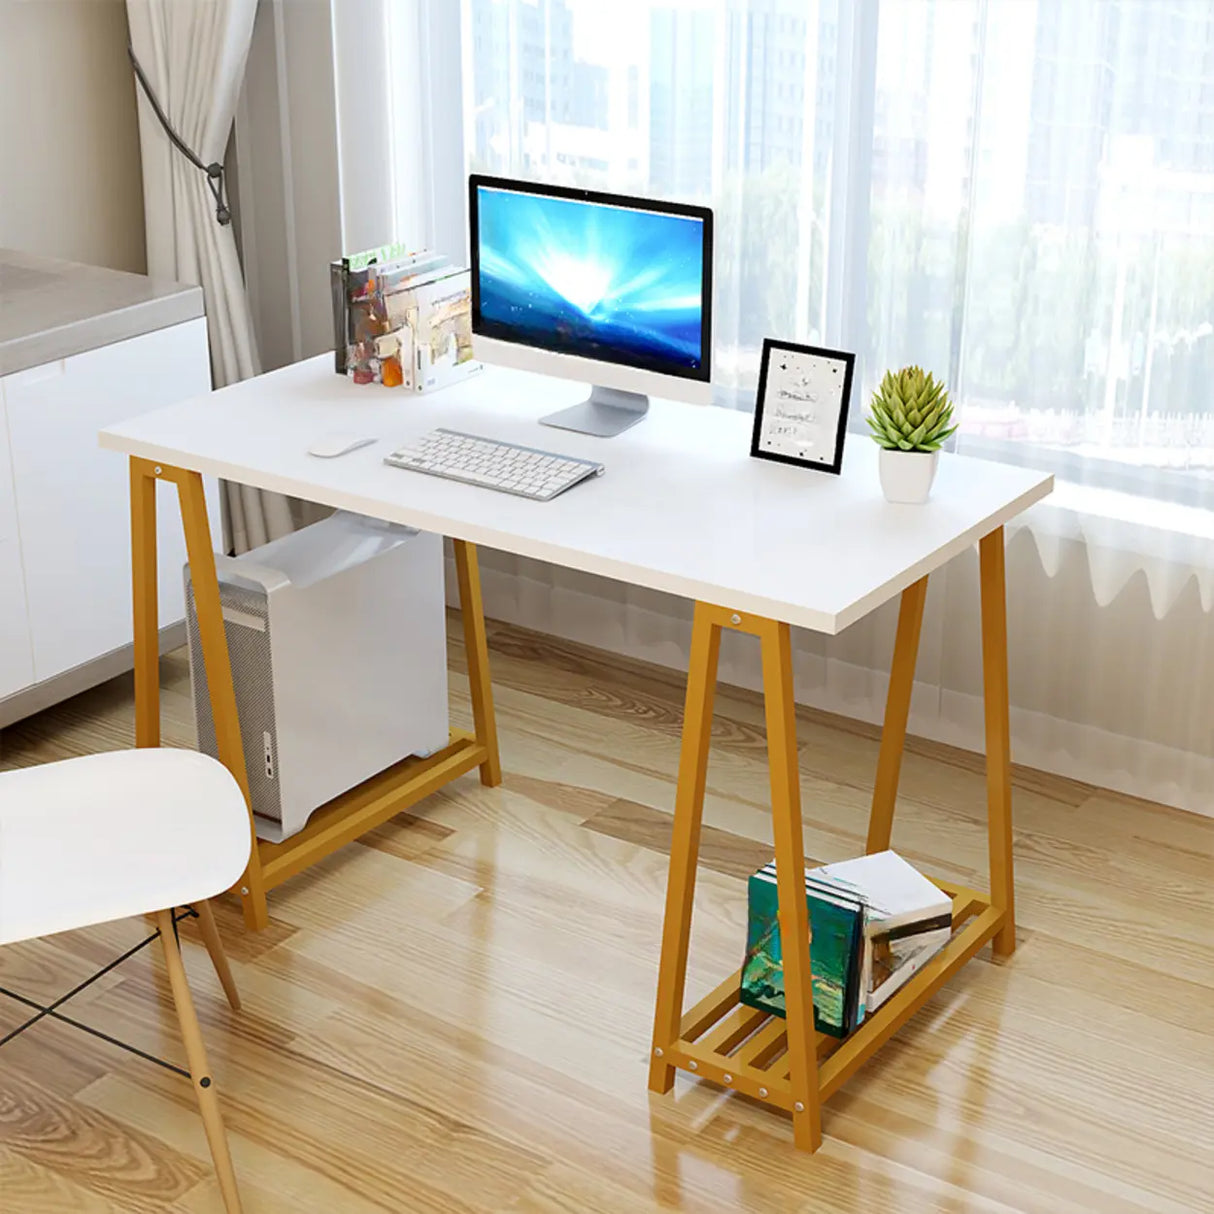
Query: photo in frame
[{"x": 801, "y": 407}]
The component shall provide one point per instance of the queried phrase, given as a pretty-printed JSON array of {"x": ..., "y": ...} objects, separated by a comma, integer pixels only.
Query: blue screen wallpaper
[{"x": 600, "y": 281}]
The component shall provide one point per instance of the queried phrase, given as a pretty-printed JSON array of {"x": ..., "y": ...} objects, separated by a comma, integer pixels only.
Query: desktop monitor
[{"x": 591, "y": 286}]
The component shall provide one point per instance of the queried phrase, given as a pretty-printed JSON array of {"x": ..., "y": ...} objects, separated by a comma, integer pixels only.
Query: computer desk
[{"x": 761, "y": 547}]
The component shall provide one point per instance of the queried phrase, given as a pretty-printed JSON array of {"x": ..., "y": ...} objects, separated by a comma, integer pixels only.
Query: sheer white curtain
[
  {"x": 1042, "y": 230},
  {"x": 1017, "y": 194},
  {"x": 193, "y": 54},
  {"x": 730, "y": 103},
  {"x": 1010, "y": 192}
]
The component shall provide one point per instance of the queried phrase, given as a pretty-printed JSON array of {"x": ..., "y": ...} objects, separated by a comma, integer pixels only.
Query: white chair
[{"x": 134, "y": 832}]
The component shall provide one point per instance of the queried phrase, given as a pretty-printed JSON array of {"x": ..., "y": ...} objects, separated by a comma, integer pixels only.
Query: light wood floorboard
[{"x": 453, "y": 1014}]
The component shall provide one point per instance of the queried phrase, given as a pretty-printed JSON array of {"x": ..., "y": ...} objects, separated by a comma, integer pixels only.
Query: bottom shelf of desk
[
  {"x": 352, "y": 814},
  {"x": 745, "y": 1049}
]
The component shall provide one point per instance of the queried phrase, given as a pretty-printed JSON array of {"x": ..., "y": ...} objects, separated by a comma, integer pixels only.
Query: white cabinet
[
  {"x": 16, "y": 654},
  {"x": 8, "y": 506},
  {"x": 71, "y": 498}
]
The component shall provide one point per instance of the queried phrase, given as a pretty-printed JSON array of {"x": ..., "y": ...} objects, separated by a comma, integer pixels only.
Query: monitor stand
[{"x": 605, "y": 413}]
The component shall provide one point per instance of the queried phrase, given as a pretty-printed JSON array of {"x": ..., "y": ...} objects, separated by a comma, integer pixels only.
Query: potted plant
[{"x": 909, "y": 417}]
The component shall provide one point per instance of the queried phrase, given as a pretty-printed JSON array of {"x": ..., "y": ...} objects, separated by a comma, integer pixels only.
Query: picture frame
[{"x": 802, "y": 403}]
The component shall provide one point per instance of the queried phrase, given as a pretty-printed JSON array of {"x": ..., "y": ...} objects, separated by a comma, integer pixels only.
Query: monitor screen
[{"x": 622, "y": 280}]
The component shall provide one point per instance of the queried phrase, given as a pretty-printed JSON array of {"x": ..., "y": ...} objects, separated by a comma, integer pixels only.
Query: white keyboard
[{"x": 506, "y": 467}]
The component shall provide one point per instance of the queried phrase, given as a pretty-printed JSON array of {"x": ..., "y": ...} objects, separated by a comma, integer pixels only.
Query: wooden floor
[{"x": 454, "y": 1016}]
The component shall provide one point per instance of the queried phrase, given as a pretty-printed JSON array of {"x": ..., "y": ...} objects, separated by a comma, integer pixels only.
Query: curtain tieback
[{"x": 214, "y": 171}]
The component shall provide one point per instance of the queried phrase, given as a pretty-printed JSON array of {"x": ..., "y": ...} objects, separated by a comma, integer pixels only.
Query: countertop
[{"x": 51, "y": 309}]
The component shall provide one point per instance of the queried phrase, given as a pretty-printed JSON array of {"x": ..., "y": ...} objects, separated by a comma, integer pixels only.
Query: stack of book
[
  {"x": 401, "y": 318},
  {"x": 874, "y": 922}
]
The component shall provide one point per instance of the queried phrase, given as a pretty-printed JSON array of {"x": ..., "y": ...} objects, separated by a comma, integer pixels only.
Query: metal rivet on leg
[
  {"x": 728, "y": 1077},
  {"x": 244, "y": 891},
  {"x": 798, "y": 1107},
  {"x": 693, "y": 1065},
  {"x": 157, "y": 470},
  {"x": 763, "y": 1093},
  {"x": 204, "y": 1082},
  {"x": 735, "y": 618},
  {"x": 657, "y": 1051}
]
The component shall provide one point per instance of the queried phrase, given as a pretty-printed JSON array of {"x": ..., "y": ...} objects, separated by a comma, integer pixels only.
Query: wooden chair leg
[
  {"x": 219, "y": 959},
  {"x": 204, "y": 1086}
]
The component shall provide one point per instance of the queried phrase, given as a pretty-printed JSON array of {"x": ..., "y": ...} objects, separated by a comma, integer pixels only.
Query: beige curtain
[{"x": 193, "y": 54}]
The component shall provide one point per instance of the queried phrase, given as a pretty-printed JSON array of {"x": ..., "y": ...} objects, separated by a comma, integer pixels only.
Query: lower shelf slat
[
  {"x": 733, "y": 1029},
  {"x": 760, "y": 1049},
  {"x": 711, "y": 1008}
]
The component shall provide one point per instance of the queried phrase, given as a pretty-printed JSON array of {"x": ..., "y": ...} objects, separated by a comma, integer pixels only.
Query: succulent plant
[{"x": 910, "y": 411}]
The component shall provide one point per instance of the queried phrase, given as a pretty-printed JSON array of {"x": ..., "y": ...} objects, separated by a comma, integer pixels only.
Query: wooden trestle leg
[{"x": 785, "y": 1062}]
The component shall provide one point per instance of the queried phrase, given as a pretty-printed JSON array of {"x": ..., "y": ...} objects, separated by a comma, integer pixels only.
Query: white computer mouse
[{"x": 330, "y": 445}]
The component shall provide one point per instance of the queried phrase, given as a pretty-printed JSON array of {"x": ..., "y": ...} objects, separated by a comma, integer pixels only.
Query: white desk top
[{"x": 682, "y": 507}]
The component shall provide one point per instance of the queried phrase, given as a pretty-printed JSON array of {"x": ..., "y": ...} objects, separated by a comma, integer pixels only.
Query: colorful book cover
[
  {"x": 362, "y": 286},
  {"x": 836, "y": 951}
]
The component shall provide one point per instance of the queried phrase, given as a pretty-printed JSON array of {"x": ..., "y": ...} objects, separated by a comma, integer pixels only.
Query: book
[
  {"x": 358, "y": 285},
  {"x": 837, "y": 919},
  {"x": 898, "y": 894},
  {"x": 354, "y": 283},
  {"x": 887, "y": 969},
  {"x": 402, "y": 318},
  {"x": 909, "y": 920},
  {"x": 874, "y": 922},
  {"x": 436, "y": 315}
]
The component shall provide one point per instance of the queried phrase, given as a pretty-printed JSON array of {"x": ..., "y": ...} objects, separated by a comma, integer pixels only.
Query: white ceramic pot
[{"x": 906, "y": 476}]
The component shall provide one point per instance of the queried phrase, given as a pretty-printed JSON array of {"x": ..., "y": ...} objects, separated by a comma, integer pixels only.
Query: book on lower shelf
[{"x": 874, "y": 922}]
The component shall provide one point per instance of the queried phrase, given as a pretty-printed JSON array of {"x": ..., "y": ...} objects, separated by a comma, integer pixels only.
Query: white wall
[{"x": 70, "y": 181}]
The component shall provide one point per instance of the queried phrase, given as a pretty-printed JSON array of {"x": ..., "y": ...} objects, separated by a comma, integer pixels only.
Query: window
[
  {"x": 1027, "y": 211},
  {"x": 699, "y": 103}
]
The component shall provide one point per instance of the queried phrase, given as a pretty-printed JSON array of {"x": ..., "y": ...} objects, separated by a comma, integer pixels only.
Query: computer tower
[{"x": 337, "y": 639}]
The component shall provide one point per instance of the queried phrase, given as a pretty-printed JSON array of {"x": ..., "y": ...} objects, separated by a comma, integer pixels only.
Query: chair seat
[{"x": 112, "y": 835}]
